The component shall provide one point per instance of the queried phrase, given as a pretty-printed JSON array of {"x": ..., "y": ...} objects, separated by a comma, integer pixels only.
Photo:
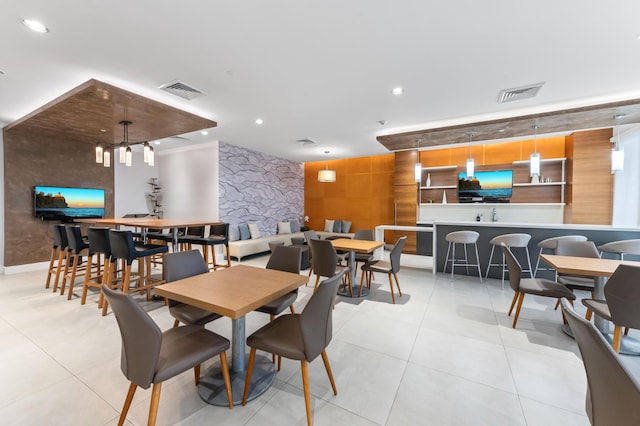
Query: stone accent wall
[{"x": 259, "y": 188}]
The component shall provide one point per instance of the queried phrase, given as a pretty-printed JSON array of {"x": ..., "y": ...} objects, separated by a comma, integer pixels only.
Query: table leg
[
  {"x": 211, "y": 387},
  {"x": 174, "y": 242},
  {"x": 355, "y": 289}
]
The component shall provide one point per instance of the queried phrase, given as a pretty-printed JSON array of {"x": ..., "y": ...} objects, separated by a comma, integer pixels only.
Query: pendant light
[
  {"x": 534, "y": 163},
  {"x": 107, "y": 158},
  {"x": 128, "y": 154},
  {"x": 152, "y": 155},
  {"x": 122, "y": 152},
  {"x": 417, "y": 170},
  {"x": 99, "y": 151},
  {"x": 145, "y": 151},
  {"x": 617, "y": 152},
  {"x": 326, "y": 175},
  {"x": 125, "y": 149},
  {"x": 471, "y": 165}
]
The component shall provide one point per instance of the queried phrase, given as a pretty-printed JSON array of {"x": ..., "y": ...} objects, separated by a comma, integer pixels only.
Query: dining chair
[
  {"x": 324, "y": 261},
  {"x": 613, "y": 392},
  {"x": 151, "y": 356},
  {"x": 300, "y": 337},
  {"x": 366, "y": 235},
  {"x": 184, "y": 264},
  {"x": 390, "y": 268},
  {"x": 622, "y": 298},
  {"x": 576, "y": 248},
  {"x": 534, "y": 286},
  {"x": 551, "y": 244}
]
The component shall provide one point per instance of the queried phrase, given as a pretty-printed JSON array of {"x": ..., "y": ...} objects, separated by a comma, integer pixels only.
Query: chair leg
[
  {"x": 74, "y": 270},
  {"x": 626, "y": 331},
  {"x": 317, "y": 282},
  {"x": 513, "y": 302},
  {"x": 397, "y": 284},
  {"x": 155, "y": 401},
  {"x": 52, "y": 261},
  {"x": 486, "y": 276},
  {"x": 127, "y": 403},
  {"x": 225, "y": 376},
  {"x": 61, "y": 266},
  {"x": 393, "y": 297},
  {"x": 361, "y": 282},
  {"x": 617, "y": 338},
  {"x": 305, "y": 388},
  {"x": 327, "y": 367},
  {"x": 555, "y": 308},
  {"x": 87, "y": 277},
  {"x": 176, "y": 323},
  {"x": 247, "y": 377},
  {"x": 588, "y": 315},
  {"x": 515, "y": 318},
  {"x": 292, "y": 309},
  {"x": 196, "y": 374}
]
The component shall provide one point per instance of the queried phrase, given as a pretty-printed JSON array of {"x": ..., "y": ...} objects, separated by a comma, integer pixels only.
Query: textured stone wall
[{"x": 259, "y": 188}]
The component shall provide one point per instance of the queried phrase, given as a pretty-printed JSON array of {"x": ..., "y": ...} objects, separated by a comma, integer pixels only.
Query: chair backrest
[
  {"x": 552, "y": 243},
  {"x": 577, "y": 248},
  {"x": 622, "y": 293},
  {"x": 183, "y": 264},
  {"x": 316, "y": 318},
  {"x": 311, "y": 235},
  {"x": 122, "y": 245},
  {"x": 324, "y": 257},
  {"x": 58, "y": 233},
  {"x": 195, "y": 231},
  {"x": 219, "y": 230},
  {"x": 613, "y": 394},
  {"x": 364, "y": 234},
  {"x": 141, "y": 338},
  {"x": 285, "y": 258},
  {"x": 99, "y": 240},
  {"x": 396, "y": 251},
  {"x": 622, "y": 247},
  {"x": 74, "y": 237},
  {"x": 515, "y": 270}
]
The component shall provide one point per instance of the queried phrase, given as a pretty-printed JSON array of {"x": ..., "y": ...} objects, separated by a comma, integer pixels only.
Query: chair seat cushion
[
  {"x": 205, "y": 241},
  {"x": 191, "y": 315},
  {"x": 600, "y": 307},
  {"x": 184, "y": 347},
  {"x": 275, "y": 307},
  {"x": 545, "y": 288},
  {"x": 576, "y": 283},
  {"x": 282, "y": 336},
  {"x": 144, "y": 250},
  {"x": 381, "y": 266}
]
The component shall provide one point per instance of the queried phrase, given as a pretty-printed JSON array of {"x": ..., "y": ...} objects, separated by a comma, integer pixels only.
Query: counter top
[{"x": 529, "y": 225}]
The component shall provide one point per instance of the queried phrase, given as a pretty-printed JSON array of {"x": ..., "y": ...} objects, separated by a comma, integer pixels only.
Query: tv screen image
[
  {"x": 59, "y": 203},
  {"x": 497, "y": 184}
]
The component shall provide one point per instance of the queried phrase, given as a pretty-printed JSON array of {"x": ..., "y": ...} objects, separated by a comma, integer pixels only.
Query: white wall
[
  {"x": 626, "y": 187},
  {"x": 2, "y": 196},
  {"x": 507, "y": 212},
  {"x": 189, "y": 180},
  {"x": 131, "y": 184}
]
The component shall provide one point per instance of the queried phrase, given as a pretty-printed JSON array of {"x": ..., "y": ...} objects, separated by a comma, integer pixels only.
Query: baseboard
[{"x": 29, "y": 267}]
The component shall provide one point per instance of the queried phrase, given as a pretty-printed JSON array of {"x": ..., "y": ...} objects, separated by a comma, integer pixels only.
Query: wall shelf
[
  {"x": 439, "y": 187},
  {"x": 539, "y": 184},
  {"x": 543, "y": 160},
  {"x": 440, "y": 168}
]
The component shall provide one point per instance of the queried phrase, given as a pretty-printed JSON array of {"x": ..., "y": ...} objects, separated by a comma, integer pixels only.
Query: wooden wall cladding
[
  {"x": 406, "y": 197},
  {"x": 362, "y": 193}
]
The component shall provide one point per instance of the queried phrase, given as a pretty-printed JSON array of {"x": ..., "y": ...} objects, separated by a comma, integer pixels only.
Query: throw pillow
[
  {"x": 284, "y": 227},
  {"x": 244, "y": 231},
  {"x": 328, "y": 225},
  {"x": 234, "y": 233},
  {"x": 346, "y": 226},
  {"x": 254, "y": 231},
  {"x": 294, "y": 226},
  {"x": 337, "y": 226}
]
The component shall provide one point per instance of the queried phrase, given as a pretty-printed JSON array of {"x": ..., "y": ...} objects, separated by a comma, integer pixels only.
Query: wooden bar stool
[
  {"x": 58, "y": 253},
  {"x": 98, "y": 245},
  {"x": 77, "y": 247}
]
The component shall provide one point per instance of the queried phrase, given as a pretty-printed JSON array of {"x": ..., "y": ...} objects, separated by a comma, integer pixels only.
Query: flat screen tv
[
  {"x": 66, "y": 204},
  {"x": 494, "y": 185}
]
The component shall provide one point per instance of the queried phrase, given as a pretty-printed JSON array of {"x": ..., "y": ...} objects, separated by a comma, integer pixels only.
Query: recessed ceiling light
[
  {"x": 204, "y": 132},
  {"x": 501, "y": 131},
  {"x": 397, "y": 91},
  {"x": 34, "y": 25},
  {"x": 1, "y": 72},
  {"x": 259, "y": 121},
  {"x": 157, "y": 142}
]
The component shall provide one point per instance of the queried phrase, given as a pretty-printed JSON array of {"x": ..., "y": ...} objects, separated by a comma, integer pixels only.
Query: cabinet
[{"x": 435, "y": 181}]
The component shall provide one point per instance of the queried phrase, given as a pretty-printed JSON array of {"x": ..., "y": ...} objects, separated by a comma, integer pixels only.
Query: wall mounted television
[
  {"x": 66, "y": 204},
  {"x": 487, "y": 186}
]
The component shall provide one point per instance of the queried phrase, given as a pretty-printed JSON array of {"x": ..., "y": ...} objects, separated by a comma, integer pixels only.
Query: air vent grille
[
  {"x": 305, "y": 142},
  {"x": 518, "y": 93},
  {"x": 182, "y": 90}
]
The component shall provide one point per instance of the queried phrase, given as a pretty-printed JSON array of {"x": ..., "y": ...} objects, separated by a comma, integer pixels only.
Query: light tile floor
[{"x": 445, "y": 354}]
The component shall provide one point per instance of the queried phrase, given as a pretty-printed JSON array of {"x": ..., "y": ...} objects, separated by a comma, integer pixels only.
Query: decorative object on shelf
[
  {"x": 155, "y": 198},
  {"x": 535, "y": 179},
  {"x": 428, "y": 180},
  {"x": 326, "y": 175},
  {"x": 617, "y": 152},
  {"x": 304, "y": 219},
  {"x": 535, "y": 157},
  {"x": 470, "y": 163},
  {"x": 444, "y": 197}
]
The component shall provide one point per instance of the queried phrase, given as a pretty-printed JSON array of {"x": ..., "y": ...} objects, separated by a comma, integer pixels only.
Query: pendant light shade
[
  {"x": 107, "y": 158},
  {"x": 418, "y": 172},
  {"x": 534, "y": 161},
  {"x": 617, "y": 152},
  {"x": 146, "y": 152},
  {"x": 151, "y": 160},
  {"x": 99, "y": 153},
  {"x": 471, "y": 164},
  {"x": 122, "y": 153},
  {"x": 326, "y": 175},
  {"x": 128, "y": 155}
]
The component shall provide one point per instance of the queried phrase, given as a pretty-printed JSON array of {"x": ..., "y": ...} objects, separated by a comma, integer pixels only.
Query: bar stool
[
  {"x": 511, "y": 241},
  {"x": 464, "y": 238},
  {"x": 621, "y": 247},
  {"x": 218, "y": 234},
  {"x": 77, "y": 245},
  {"x": 62, "y": 256},
  {"x": 551, "y": 244},
  {"x": 98, "y": 244},
  {"x": 58, "y": 252}
]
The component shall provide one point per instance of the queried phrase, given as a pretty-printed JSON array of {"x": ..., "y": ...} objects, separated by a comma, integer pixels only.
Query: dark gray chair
[
  {"x": 218, "y": 234},
  {"x": 324, "y": 261},
  {"x": 78, "y": 246},
  {"x": 390, "y": 268},
  {"x": 535, "y": 286},
  {"x": 366, "y": 235},
  {"x": 613, "y": 394},
  {"x": 300, "y": 337},
  {"x": 551, "y": 244},
  {"x": 181, "y": 265},
  {"x": 622, "y": 299},
  {"x": 150, "y": 356},
  {"x": 98, "y": 244},
  {"x": 576, "y": 248}
]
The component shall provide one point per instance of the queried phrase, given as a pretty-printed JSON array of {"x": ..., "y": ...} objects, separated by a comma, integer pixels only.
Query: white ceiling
[{"x": 324, "y": 70}]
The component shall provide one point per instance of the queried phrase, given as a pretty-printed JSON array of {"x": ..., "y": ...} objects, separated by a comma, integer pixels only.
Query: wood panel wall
[
  {"x": 362, "y": 193},
  {"x": 406, "y": 198}
]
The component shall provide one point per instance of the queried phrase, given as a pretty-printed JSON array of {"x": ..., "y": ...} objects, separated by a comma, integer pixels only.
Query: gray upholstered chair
[
  {"x": 613, "y": 393},
  {"x": 390, "y": 268},
  {"x": 366, "y": 235},
  {"x": 621, "y": 247},
  {"x": 464, "y": 238},
  {"x": 535, "y": 286},
  {"x": 218, "y": 234},
  {"x": 300, "y": 337},
  {"x": 551, "y": 244},
  {"x": 150, "y": 356},
  {"x": 324, "y": 260},
  {"x": 184, "y": 264},
  {"x": 622, "y": 298},
  {"x": 578, "y": 249},
  {"x": 511, "y": 241}
]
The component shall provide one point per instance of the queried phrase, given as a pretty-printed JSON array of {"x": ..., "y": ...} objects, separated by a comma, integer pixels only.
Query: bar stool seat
[
  {"x": 621, "y": 247},
  {"x": 511, "y": 241},
  {"x": 551, "y": 244},
  {"x": 464, "y": 238}
]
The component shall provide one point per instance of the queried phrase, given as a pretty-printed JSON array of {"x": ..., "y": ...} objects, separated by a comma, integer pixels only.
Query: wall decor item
[
  {"x": 444, "y": 197},
  {"x": 155, "y": 198}
]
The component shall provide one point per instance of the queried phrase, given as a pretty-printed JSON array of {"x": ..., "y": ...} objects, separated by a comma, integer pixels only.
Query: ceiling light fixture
[
  {"x": 34, "y": 25},
  {"x": 397, "y": 91},
  {"x": 259, "y": 121},
  {"x": 417, "y": 171},
  {"x": 534, "y": 165},
  {"x": 152, "y": 157},
  {"x": 145, "y": 152},
  {"x": 99, "y": 153},
  {"x": 471, "y": 165},
  {"x": 326, "y": 175},
  {"x": 204, "y": 132},
  {"x": 617, "y": 152}
]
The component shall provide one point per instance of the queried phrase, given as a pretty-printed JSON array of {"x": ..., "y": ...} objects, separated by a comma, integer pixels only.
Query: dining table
[
  {"x": 600, "y": 270},
  {"x": 234, "y": 292},
  {"x": 353, "y": 247}
]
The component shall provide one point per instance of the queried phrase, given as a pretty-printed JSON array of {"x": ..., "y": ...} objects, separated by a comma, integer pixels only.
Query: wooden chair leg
[
  {"x": 74, "y": 270},
  {"x": 69, "y": 259},
  {"x": 305, "y": 388},
  {"x": 327, "y": 367},
  {"x": 317, "y": 282},
  {"x": 52, "y": 261},
  {"x": 617, "y": 338},
  {"x": 228, "y": 257},
  {"x": 555, "y": 308},
  {"x": 247, "y": 377},
  {"x": 279, "y": 362},
  {"x": 393, "y": 298},
  {"x": 397, "y": 284},
  {"x": 176, "y": 323},
  {"x": 155, "y": 400},
  {"x": 588, "y": 315},
  {"x": 626, "y": 331},
  {"x": 127, "y": 403},
  {"x": 515, "y": 318},
  {"x": 196, "y": 373},
  {"x": 62, "y": 256},
  {"x": 225, "y": 376},
  {"x": 87, "y": 278},
  {"x": 513, "y": 302},
  {"x": 361, "y": 282}
]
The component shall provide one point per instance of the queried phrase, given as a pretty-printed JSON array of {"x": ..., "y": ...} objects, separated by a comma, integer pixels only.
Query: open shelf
[
  {"x": 440, "y": 168},
  {"x": 439, "y": 187},
  {"x": 539, "y": 184},
  {"x": 543, "y": 160}
]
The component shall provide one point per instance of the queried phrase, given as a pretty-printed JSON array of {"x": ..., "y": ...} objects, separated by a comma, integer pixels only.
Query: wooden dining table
[
  {"x": 353, "y": 247},
  {"x": 234, "y": 292}
]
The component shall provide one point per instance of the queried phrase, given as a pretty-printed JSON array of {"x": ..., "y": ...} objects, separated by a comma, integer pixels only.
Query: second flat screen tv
[
  {"x": 485, "y": 186},
  {"x": 59, "y": 203}
]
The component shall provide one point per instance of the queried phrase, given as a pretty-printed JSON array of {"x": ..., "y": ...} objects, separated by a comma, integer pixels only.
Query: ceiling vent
[
  {"x": 518, "y": 93},
  {"x": 182, "y": 90},
  {"x": 305, "y": 142}
]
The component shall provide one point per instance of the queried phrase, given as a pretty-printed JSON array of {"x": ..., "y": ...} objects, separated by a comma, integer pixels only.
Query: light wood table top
[
  {"x": 584, "y": 265},
  {"x": 232, "y": 292},
  {"x": 148, "y": 222},
  {"x": 357, "y": 246}
]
